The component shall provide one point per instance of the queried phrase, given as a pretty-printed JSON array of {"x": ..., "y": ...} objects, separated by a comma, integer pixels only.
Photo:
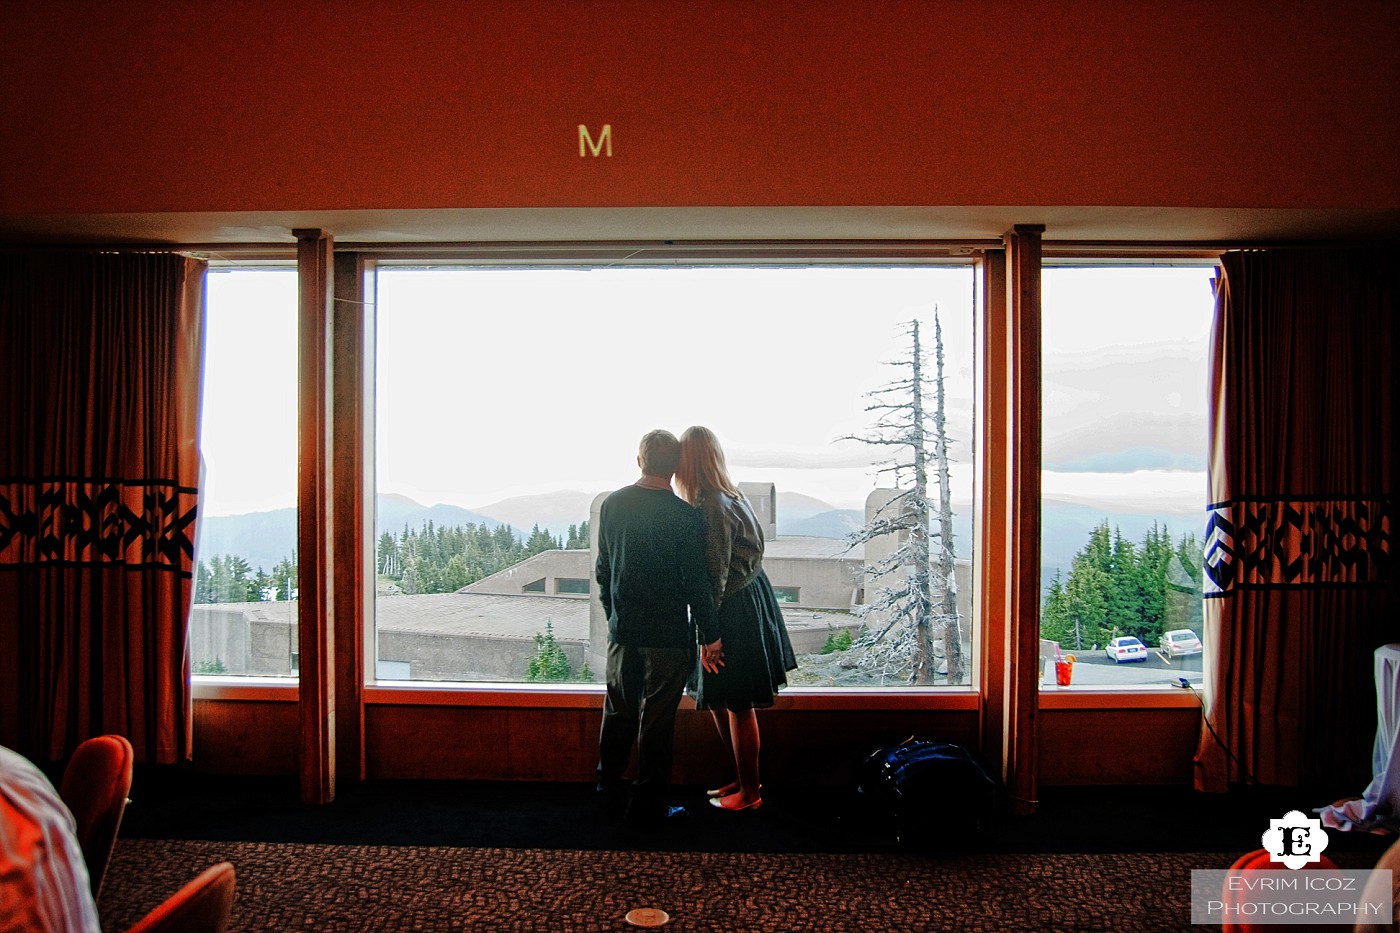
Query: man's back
[{"x": 651, "y": 568}]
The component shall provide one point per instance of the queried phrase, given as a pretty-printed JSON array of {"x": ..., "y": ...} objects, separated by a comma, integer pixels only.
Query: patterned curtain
[
  {"x": 1300, "y": 577},
  {"x": 99, "y": 464}
]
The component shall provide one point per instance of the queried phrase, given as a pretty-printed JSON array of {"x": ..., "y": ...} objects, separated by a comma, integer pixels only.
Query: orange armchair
[
  {"x": 201, "y": 906},
  {"x": 1256, "y": 861},
  {"x": 94, "y": 788}
]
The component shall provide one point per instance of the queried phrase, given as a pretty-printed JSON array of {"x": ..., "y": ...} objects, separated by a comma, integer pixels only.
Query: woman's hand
[{"x": 712, "y": 656}]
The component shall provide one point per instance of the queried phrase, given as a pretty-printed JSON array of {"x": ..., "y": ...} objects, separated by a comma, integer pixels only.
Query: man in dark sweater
[{"x": 653, "y": 585}]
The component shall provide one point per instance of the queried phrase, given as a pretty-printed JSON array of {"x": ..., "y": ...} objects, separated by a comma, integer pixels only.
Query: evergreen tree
[
  {"x": 549, "y": 662},
  {"x": 226, "y": 578},
  {"x": 261, "y": 585},
  {"x": 1056, "y": 622},
  {"x": 202, "y": 592},
  {"x": 454, "y": 575},
  {"x": 283, "y": 578},
  {"x": 577, "y": 539},
  {"x": 1125, "y": 590},
  {"x": 539, "y": 540},
  {"x": 442, "y": 559},
  {"x": 1116, "y": 587},
  {"x": 1087, "y": 600}
]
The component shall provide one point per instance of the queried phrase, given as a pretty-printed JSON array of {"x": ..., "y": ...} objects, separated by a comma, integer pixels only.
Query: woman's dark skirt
[{"x": 757, "y": 651}]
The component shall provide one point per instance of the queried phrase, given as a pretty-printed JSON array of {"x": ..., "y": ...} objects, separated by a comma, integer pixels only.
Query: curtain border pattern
[
  {"x": 1261, "y": 542},
  {"x": 90, "y": 522}
]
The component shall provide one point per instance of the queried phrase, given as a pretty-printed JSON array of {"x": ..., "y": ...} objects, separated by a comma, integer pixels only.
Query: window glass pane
[
  {"x": 1124, "y": 482},
  {"x": 509, "y": 401},
  {"x": 244, "y": 617}
]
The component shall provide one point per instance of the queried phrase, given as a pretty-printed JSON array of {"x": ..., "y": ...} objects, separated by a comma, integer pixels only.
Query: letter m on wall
[{"x": 586, "y": 145}]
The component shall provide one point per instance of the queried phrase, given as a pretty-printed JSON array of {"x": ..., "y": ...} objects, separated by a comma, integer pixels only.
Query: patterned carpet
[{"x": 328, "y": 888}]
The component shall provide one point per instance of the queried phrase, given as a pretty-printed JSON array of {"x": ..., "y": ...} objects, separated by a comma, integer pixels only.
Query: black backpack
[{"x": 934, "y": 795}]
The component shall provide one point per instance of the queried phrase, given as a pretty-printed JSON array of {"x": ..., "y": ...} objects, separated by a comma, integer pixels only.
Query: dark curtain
[
  {"x": 1300, "y": 577},
  {"x": 99, "y": 466}
]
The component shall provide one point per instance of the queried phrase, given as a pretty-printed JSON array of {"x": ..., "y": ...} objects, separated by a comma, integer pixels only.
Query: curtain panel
[
  {"x": 99, "y": 469},
  {"x": 1300, "y": 582}
]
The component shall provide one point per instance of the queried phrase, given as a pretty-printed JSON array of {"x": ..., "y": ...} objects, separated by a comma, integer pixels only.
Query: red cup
[{"x": 1062, "y": 670}]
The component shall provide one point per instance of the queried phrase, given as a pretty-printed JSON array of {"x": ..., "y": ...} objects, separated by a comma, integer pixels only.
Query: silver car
[{"x": 1180, "y": 641}]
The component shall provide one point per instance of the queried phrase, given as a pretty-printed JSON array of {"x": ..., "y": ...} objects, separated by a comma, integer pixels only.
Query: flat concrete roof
[
  {"x": 811, "y": 548},
  {"x": 492, "y": 615},
  {"x": 487, "y": 615}
]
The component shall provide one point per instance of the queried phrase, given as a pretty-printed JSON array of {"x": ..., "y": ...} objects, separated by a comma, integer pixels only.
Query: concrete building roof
[
  {"x": 490, "y": 615},
  {"x": 813, "y": 548},
  {"x": 578, "y": 562}
]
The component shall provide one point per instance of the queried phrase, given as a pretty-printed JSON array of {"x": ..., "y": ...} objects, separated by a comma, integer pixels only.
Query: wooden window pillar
[
  {"x": 1023, "y": 451},
  {"x": 315, "y": 635},
  {"x": 992, "y": 579},
  {"x": 352, "y": 524}
]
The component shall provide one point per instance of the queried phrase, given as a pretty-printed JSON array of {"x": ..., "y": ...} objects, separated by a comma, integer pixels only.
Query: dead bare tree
[{"x": 914, "y": 603}]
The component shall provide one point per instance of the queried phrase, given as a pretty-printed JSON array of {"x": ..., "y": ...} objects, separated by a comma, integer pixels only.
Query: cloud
[
  {"x": 837, "y": 455},
  {"x": 1144, "y": 491},
  {"x": 1128, "y": 441}
]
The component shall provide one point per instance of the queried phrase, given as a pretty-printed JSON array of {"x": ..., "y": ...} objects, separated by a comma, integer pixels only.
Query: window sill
[
  {"x": 579, "y": 696},
  {"x": 521, "y": 696},
  {"x": 576, "y": 696},
  {"x": 1148, "y": 697},
  {"x": 216, "y": 687}
]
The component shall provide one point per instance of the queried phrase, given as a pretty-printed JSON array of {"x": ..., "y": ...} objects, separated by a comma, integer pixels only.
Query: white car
[
  {"x": 1180, "y": 641},
  {"x": 1126, "y": 648}
]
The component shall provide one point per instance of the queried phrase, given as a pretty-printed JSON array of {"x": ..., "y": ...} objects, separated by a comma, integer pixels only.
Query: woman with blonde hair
[{"x": 744, "y": 668}]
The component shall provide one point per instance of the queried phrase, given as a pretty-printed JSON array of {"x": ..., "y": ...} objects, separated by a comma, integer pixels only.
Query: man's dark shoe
[
  {"x": 655, "y": 818},
  {"x": 612, "y": 800}
]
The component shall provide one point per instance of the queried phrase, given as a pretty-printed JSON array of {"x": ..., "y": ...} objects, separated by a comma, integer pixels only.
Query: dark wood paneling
[
  {"x": 819, "y": 747},
  {"x": 814, "y": 747},
  {"x": 242, "y": 737},
  {"x": 1138, "y": 746},
  {"x": 824, "y": 747},
  {"x": 480, "y": 743}
]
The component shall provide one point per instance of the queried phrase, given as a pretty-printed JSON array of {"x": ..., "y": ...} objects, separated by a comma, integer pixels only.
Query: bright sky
[
  {"x": 496, "y": 383},
  {"x": 248, "y": 421},
  {"x": 1124, "y": 368}
]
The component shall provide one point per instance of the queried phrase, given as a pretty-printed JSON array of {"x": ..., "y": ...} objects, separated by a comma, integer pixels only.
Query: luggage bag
[{"x": 933, "y": 794}]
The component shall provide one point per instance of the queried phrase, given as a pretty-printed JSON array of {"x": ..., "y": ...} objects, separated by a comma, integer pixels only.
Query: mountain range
[{"x": 264, "y": 538}]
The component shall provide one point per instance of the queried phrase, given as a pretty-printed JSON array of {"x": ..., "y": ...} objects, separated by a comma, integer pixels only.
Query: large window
[
  {"x": 244, "y": 618},
  {"x": 1124, "y": 482},
  {"x": 509, "y": 400}
]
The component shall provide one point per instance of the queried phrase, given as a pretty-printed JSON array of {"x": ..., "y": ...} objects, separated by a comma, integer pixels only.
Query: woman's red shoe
[{"x": 735, "y": 803}]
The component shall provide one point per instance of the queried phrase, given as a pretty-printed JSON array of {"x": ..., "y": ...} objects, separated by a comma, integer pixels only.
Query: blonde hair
[{"x": 702, "y": 468}]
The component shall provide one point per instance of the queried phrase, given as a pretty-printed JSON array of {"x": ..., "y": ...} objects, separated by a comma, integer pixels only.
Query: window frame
[
  {"x": 794, "y": 594},
  {"x": 1120, "y": 256},
  {"x": 963, "y": 254},
  {"x": 356, "y": 408}
]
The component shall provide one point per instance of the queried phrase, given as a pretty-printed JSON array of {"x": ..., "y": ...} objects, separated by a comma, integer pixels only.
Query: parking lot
[{"x": 1092, "y": 669}]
